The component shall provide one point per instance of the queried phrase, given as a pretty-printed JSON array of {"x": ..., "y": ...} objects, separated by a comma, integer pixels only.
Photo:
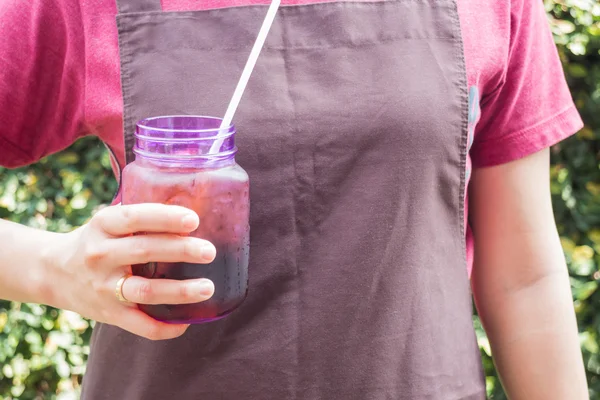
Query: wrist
[
  {"x": 48, "y": 274},
  {"x": 28, "y": 264}
]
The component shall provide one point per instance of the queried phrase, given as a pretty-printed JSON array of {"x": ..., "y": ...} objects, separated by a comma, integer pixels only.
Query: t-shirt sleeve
[
  {"x": 532, "y": 109},
  {"x": 42, "y": 78}
]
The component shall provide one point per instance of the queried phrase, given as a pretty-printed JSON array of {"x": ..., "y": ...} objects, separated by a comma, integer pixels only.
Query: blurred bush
[{"x": 43, "y": 350}]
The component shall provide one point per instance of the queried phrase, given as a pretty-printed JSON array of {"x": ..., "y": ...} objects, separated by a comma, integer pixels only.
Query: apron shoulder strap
[{"x": 134, "y": 6}]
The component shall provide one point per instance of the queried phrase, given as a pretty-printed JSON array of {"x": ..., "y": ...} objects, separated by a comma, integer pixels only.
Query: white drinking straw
[{"x": 241, "y": 86}]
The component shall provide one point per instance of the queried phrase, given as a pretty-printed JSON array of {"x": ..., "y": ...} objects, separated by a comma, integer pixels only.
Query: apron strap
[{"x": 133, "y": 6}]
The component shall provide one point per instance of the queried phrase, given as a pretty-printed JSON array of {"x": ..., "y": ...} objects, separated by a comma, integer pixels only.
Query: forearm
[
  {"x": 529, "y": 318},
  {"x": 23, "y": 263},
  {"x": 521, "y": 282}
]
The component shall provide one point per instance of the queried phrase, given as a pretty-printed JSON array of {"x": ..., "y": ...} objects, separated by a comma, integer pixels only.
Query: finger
[
  {"x": 138, "y": 323},
  {"x": 167, "y": 291},
  {"x": 141, "y": 249},
  {"x": 129, "y": 219}
]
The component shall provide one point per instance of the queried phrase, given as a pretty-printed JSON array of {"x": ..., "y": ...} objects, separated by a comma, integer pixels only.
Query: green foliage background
[{"x": 43, "y": 350}]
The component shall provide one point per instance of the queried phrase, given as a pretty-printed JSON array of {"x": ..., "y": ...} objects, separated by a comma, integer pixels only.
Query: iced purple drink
[{"x": 172, "y": 166}]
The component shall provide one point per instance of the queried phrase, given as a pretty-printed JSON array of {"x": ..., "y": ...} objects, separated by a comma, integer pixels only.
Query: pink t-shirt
[{"x": 59, "y": 78}]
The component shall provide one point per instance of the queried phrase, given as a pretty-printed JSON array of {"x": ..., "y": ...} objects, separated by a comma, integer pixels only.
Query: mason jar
[{"x": 174, "y": 164}]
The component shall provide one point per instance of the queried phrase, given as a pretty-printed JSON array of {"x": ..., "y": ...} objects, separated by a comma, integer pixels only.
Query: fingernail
[
  {"x": 190, "y": 221},
  {"x": 204, "y": 287},
  {"x": 209, "y": 252}
]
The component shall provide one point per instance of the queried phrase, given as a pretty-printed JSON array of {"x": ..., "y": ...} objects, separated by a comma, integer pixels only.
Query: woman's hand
[{"x": 86, "y": 264}]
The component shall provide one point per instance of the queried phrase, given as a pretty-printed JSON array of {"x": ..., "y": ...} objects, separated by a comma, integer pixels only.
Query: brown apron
[{"x": 353, "y": 130}]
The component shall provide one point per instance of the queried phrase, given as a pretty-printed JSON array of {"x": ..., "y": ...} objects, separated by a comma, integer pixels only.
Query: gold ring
[{"x": 119, "y": 288}]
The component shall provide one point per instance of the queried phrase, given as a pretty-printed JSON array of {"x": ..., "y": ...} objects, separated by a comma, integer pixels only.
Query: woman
[{"x": 362, "y": 128}]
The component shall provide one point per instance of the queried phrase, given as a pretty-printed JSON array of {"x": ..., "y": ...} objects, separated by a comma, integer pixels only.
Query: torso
[
  {"x": 485, "y": 29},
  {"x": 356, "y": 131},
  {"x": 358, "y": 286}
]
